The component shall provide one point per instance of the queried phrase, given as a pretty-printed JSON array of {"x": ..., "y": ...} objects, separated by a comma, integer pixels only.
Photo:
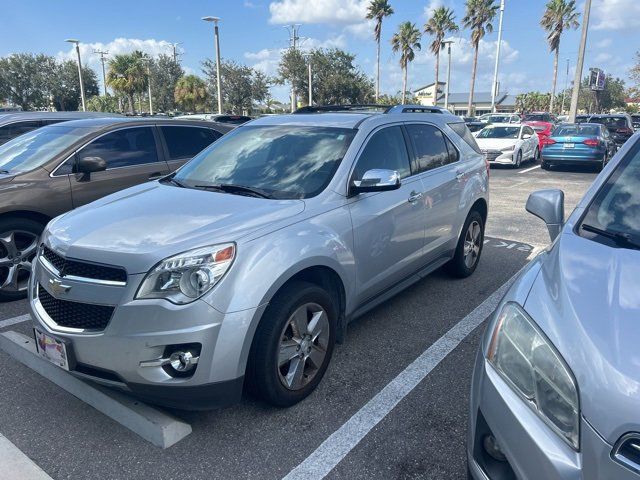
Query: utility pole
[
  {"x": 174, "y": 46},
  {"x": 446, "y": 92},
  {"x": 566, "y": 86},
  {"x": 147, "y": 60},
  {"x": 215, "y": 21},
  {"x": 293, "y": 30},
  {"x": 494, "y": 91},
  {"x": 580, "y": 63},
  {"x": 77, "y": 44},
  {"x": 310, "y": 94},
  {"x": 104, "y": 74}
]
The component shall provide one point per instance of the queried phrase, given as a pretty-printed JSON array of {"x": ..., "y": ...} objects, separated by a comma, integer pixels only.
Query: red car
[{"x": 543, "y": 129}]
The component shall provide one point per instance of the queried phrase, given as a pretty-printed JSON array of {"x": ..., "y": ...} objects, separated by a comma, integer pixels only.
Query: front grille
[
  {"x": 627, "y": 451},
  {"x": 491, "y": 155},
  {"x": 75, "y": 314},
  {"x": 88, "y": 270}
]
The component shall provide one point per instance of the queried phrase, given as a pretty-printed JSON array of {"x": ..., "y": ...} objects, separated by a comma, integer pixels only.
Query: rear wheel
[
  {"x": 469, "y": 247},
  {"x": 545, "y": 166},
  {"x": 18, "y": 245},
  {"x": 293, "y": 344}
]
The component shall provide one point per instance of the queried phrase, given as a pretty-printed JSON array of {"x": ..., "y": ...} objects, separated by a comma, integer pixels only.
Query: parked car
[
  {"x": 635, "y": 119},
  {"x": 586, "y": 144},
  {"x": 220, "y": 118},
  {"x": 475, "y": 126},
  {"x": 555, "y": 391},
  {"x": 499, "y": 118},
  {"x": 543, "y": 130},
  {"x": 582, "y": 118},
  {"x": 620, "y": 125},
  {"x": 13, "y": 124},
  {"x": 539, "y": 117},
  {"x": 508, "y": 144},
  {"x": 49, "y": 171},
  {"x": 246, "y": 265}
]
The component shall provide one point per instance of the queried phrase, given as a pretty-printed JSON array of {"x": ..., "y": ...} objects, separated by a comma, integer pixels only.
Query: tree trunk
[
  {"x": 404, "y": 84},
  {"x": 555, "y": 79},
  {"x": 435, "y": 98},
  {"x": 473, "y": 81},
  {"x": 131, "y": 103},
  {"x": 378, "y": 71}
]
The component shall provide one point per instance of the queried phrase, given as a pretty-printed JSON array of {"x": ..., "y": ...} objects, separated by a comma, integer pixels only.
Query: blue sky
[{"x": 252, "y": 32}]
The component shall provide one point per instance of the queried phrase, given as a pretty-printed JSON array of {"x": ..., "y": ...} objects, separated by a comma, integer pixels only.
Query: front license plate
[
  {"x": 51, "y": 349},
  {"x": 569, "y": 145}
]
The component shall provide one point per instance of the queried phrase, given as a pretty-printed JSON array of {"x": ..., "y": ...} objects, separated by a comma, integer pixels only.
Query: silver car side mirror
[
  {"x": 549, "y": 206},
  {"x": 376, "y": 180}
]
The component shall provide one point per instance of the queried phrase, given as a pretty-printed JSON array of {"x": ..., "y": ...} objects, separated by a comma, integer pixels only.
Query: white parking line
[
  {"x": 14, "y": 320},
  {"x": 16, "y": 465},
  {"x": 331, "y": 452},
  {"x": 529, "y": 169}
]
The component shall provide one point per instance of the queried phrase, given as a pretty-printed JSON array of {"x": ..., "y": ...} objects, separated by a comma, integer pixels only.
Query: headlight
[
  {"x": 508, "y": 149},
  {"x": 185, "y": 277},
  {"x": 526, "y": 358}
]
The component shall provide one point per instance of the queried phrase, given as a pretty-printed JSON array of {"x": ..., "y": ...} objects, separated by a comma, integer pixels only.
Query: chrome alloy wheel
[
  {"x": 472, "y": 245},
  {"x": 303, "y": 346},
  {"x": 17, "y": 251}
]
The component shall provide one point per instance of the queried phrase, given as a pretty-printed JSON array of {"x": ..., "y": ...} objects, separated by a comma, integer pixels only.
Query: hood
[
  {"x": 586, "y": 300},
  {"x": 495, "y": 143},
  {"x": 139, "y": 226}
]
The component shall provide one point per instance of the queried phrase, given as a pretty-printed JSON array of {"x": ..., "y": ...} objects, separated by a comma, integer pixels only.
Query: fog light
[
  {"x": 183, "y": 361},
  {"x": 492, "y": 447}
]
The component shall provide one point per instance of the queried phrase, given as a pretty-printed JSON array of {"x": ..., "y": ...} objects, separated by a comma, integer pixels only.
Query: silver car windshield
[
  {"x": 283, "y": 161},
  {"x": 35, "y": 148}
]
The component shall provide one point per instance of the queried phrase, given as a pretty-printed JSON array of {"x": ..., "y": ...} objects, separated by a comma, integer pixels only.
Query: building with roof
[{"x": 458, "y": 102}]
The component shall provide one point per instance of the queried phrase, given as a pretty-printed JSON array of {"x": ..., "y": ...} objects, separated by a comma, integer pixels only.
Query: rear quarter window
[{"x": 464, "y": 133}]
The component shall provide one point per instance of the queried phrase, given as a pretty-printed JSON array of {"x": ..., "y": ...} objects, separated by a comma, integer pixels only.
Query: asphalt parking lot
[{"x": 419, "y": 434}]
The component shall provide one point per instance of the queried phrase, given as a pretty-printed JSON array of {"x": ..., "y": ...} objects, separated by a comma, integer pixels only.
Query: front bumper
[
  {"x": 532, "y": 449},
  {"x": 498, "y": 157}
]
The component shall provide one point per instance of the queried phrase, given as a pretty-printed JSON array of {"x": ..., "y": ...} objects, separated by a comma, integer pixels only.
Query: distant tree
[
  {"x": 63, "y": 85},
  {"x": 23, "y": 80},
  {"x": 191, "y": 94},
  {"x": 242, "y": 86},
  {"x": 378, "y": 10},
  {"x": 293, "y": 69},
  {"x": 559, "y": 15},
  {"x": 634, "y": 73},
  {"x": 441, "y": 22},
  {"x": 478, "y": 18},
  {"x": 406, "y": 41},
  {"x": 165, "y": 73},
  {"x": 103, "y": 103},
  {"x": 128, "y": 75}
]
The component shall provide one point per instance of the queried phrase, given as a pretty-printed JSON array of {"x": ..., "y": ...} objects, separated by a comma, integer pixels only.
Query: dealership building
[{"x": 458, "y": 102}]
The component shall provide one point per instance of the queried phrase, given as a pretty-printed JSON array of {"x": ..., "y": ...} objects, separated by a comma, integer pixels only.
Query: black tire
[
  {"x": 536, "y": 155},
  {"x": 457, "y": 266},
  {"x": 545, "y": 166},
  {"x": 263, "y": 372},
  {"x": 603, "y": 164},
  {"x": 518, "y": 159},
  {"x": 7, "y": 226}
]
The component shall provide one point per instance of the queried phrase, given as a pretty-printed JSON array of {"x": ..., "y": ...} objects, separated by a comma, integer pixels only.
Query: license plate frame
[
  {"x": 54, "y": 349},
  {"x": 569, "y": 145}
]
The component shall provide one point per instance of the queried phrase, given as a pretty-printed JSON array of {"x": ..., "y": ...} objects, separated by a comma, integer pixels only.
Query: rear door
[
  {"x": 132, "y": 157},
  {"x": 183, "y": 142}
]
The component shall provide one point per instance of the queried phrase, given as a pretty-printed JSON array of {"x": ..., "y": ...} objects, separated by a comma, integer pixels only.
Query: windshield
[
  {"x": 35, "y": 148},
  {"x": 536, "y": 117},
  {"x": 616, "y": 206},
  {"x": 620, "y": 122},
  {"x": 499, "y": 132},
  {"x": 284, "y": 161},
  {"x": 582, "y": 130}
]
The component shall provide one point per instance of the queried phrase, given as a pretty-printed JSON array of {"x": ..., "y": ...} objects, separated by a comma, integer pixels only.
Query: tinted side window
[
  {"x": 429, "y": 145},
  {"x": 465, "y": 134},
  {"x": 386, "y": 149},
  {"x": 528, "y": 131},
  {"x": 185, "y": 142},
  {"x": 124, "y": 148},
  {"x": 15, "y": 129}
]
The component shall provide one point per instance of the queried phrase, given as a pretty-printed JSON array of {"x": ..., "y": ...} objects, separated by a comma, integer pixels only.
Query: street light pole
[
  {"x": 77, "y": 44},
  {"x": 104, "y": 74},
  {"x": 580, "y": 63},
  {"x": 494, "y": 91},
  {"x": 446, "y": 92},
  {"x": 310, "y": 94},
  {"x": 148, "y": 62},
  {"x": 215, "y": 21},
  {"x": 566, "y": 85}
]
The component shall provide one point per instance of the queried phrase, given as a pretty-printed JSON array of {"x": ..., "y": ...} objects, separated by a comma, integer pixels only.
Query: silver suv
[{"x": 243, "y": 269}]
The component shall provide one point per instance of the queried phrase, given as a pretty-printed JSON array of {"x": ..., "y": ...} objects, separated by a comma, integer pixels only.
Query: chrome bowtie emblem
[{"x": 57, "y": 287}]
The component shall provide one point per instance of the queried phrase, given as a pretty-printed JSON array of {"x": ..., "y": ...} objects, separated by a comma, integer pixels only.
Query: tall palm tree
[
  {"x": 406, "y": 40},
  {"x": 128, "y": 75},
  {"x": 478, "y": 18},
  {"x": 559, "y": 15},
  {"x": 441, "y": 22},
  {"x": 378, "y": 9}
]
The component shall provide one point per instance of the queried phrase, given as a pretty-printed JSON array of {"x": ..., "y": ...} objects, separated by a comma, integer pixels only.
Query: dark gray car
[{"x": 56, "y": 168}]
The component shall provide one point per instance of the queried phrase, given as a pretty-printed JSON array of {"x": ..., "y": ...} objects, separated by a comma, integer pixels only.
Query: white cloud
[
  {"x": 603, "y": 57},
  {"x": 318, "y": 11},
  {"x": 362, "y": 30},
  {"x": 616, "y": 14},
  {"x": 604, "y": 43}
]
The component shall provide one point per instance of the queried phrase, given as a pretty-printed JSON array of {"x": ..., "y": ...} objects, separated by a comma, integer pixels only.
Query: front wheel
[
  {"x": 518, "y": 159},
  {"x": 469, "y": 247},
  {"x": 18, "y": 245},
  {"x": 293, "y": 344},
  {"x": 536, "y": 155}
]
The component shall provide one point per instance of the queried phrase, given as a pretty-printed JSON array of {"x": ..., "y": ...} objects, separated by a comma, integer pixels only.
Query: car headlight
[
  {"x": 185, "y": 277},
  {"x": 522, "y": 354},
  {"x": 508, "y": 149}
]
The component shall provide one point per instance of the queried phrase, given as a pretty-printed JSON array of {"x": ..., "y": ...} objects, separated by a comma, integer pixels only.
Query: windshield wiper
[
  {"x": 230, "y": 188},
  {"x": 5, "y": 171},
  {"x": 171, "y": 179},
  {"x": 621, "y": 238}
]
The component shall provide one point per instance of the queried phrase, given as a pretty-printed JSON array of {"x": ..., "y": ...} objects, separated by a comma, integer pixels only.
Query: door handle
[
  {"x": 460, "y": 175},
  {"x": 414, "y": 196}
]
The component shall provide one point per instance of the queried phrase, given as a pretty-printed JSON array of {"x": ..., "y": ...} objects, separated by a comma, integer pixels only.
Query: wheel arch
[{"x": 30, "y": 214}]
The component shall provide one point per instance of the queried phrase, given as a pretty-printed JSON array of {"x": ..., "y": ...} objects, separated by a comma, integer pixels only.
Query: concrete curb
[{"x": 155, "y": 426}]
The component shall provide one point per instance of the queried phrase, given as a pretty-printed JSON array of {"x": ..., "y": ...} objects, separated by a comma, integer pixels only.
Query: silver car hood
[
  {"x": 586, "y": 299},
  {"x": 139, "y": 226}
]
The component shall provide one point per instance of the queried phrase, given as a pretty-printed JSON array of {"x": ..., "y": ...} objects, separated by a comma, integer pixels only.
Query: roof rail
[
  {"x": 342, "y": 108},
  {"x": 416, "y": 109}
]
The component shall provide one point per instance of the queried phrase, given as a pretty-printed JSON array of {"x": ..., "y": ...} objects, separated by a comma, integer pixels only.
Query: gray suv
[
  {"x": 53, "y": 169},
  {"x": 244, "y": 268}
]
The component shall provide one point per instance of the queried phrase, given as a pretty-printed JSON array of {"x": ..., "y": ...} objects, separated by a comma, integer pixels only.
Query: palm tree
[
  {"x": 191, "y": 93},
  {"x": 128, "y": 75},
  {"x": 406, "y": 40},
  {"x": 378, "y": 9},
  {"x": 559, "y": 15},
  {"x": 478, "y": 18},
  {"x": 441, "y": 22}
]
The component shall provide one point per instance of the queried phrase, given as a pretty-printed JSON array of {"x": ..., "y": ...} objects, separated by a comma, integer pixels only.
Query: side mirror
[
  {"x": 526, "y": 136},
  {"x": 376, "y": 180},
  {"x": 549, "y": 206},
  {"x": 90, "y": 164}
]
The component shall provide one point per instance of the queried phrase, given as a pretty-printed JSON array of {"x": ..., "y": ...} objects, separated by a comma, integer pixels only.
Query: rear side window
[
  {"x": 386, "y": 150},
  {"x": 16, "y": 129},
  {"x": 185, "y": 142},
  {"x": 611, "y": 122},
  {"x": 432, "y": 148},
  {"x": 124, "y": 148},
  {"x": 464, "y": 133}
]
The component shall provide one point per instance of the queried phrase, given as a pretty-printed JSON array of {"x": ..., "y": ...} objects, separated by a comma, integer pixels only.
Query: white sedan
[{"x": 508, "y": 144}]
